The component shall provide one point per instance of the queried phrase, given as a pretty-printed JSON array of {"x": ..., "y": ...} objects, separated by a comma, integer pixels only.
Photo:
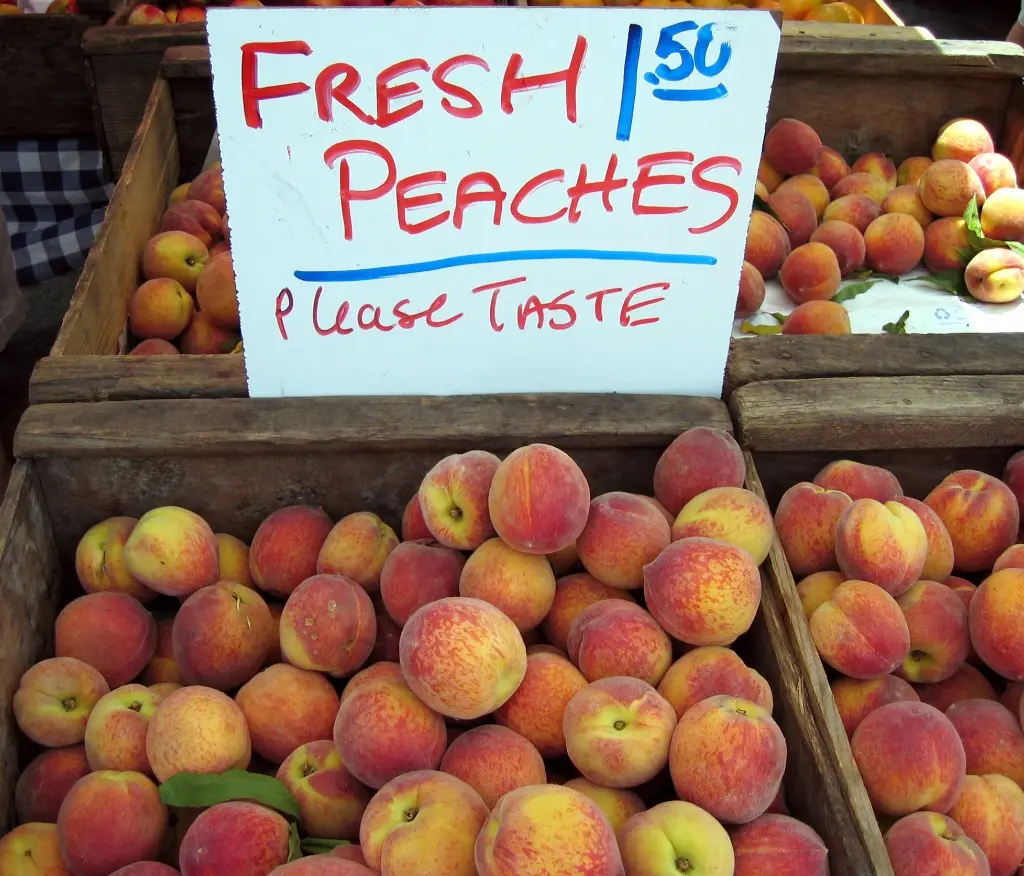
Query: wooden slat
[
  {"x": 99, "y": 308},
  {"x": 880, "y": 413}
]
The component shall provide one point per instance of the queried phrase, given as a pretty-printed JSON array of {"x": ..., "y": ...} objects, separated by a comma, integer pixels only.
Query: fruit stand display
[
  {"x": 239, "y": 461},
  {"x": 909, "y": 603}
]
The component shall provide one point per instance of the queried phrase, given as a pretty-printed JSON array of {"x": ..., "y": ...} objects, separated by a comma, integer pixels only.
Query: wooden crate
[
  {"x": 235, "y": 460},
  {"x": 920, "y": 428}
]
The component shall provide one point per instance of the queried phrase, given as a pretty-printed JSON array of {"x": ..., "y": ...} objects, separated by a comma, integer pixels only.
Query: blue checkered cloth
[{"x": 53, "y": 194}]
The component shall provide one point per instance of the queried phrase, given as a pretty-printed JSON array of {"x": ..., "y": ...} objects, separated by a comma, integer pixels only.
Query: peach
[
  {"x": 805, "y": 520},
  {"x": 995, "y": 172},
  {"x": 676, "y": 837},
  {"x": 859, "y": 481},
  {"x": 816, "y": 589},
  {"x": 894, "y": 243},
  {"x": 382, "y": 730},
  {"x": 967, "y": 683},
  {"x": 728, "y": 743},
  {"x": 697, "y": 460},
  {"x": 32, "y": 850},
  {"x": 1013, "y": 477},
  {"x": 46, "y": 781},
  {"x": 539, "y": 499},
  {"x": 797, "y": 214},
  {"x": 233, "y": 559},
  {"x": 162, "y": 666},
  {"x": 424, "y": 822},
  {"x": 285, "y": 708},
  {"x": 285, "y": 548},
  {"x": 962, "y": 139},
  {"x": 521, "y": 585},
  {"x": 912, "y": 169},
  {"x": 877, "y": 164},
  {"x": 414, "y": 527},
  {"x": 728, "y": 514},
  {"x": 235, "y": 837},
  {"x": 196, "y": 217},
  {"x": 573, "y": 593},
  {"x": 215, "y": 292},
  {"x": 948, "y": 186},
  {"x": 154, "y": 347},
  {"x": 761, "y": 190},
  {"x": 494, "y": 760},
  {"x": 328, "y": 625},
  {"x": 944, "y": 240},
  {"x": 751, "y": 292},
  {"x": 930, "y": 844},
  {"x": 1002, "y": 217},
  {"x": 779, "y": 844},
  {"x": 830, "y": 167},
  {"x": 1011, "y": 558},
  {"x": 622, "y": 534},
  {"x": 547, "y": 830},
  {"x": 159, "y": 308},
  {"x": 175, "y": 255},
  {"x": 331, "y": 801},
  {"x": 197, "y": 730},
  {"x": 115, "y": 735},
  {"x": 418, "y": 572},
  {"x": 856, "y": 210},
  {"x": 535, "y": 710},
  {"x": 566, "y": 559},
  {"x": 703, "y": 592},
  {"x": 209, "y": 188},
  {"x": 792, "y": 147},
  {"x": 463, "y": 657},
  {"x": 901, "y": 773},
  {"x": 453, "y": 499},
  {"x": 845, "y": 241},
  {"x": 980, "y": 514},
  {"x": 991, "y": 736},
  {"x": 767, "y": 244},
  {"x": 712, "y": 671},
  {"x": 99, "y": 560},
  {"x": 172, "y": 551},
  {"x": 812, "y": 188},
  {"x": 907, "y": 199},
  {"x": 867, "y": 184},
  {"x": 165, "y": 688},
  {"x": 884, "y": 544},
  {"x": 110, "y": 819},
  {"x": 177, "y": 195},
  {"x": 357, "y": 548},
  {"x": 995, "y": 276},
  {"x": 811, "y": 273},
  {"x": 768, "y": 176},
  {"x": 203, "y": 338},
  {"x": 613, "y": 637},
  {"x": 857, "y": 698},
  {"x": 939, "y": 564},
  {"x": 991, "y": 812},
  {"x": 146, "y": 13},
  {"x": 110, "y": 631},
  {"x": 316, "y": 865},
  {"x": 618, "y": 805},
  {"x": 349, "y": 853},
  {"x": 1011, "y": 698},
  {"x": 939, "y": 637},
  {"x": 386, "y": 645},
  {"x": 146, "y": 868},
  {"x": 54, "y": 699}
]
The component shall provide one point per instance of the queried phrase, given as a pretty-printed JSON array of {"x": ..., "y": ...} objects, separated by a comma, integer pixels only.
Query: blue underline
[{"x": 490, "y": 258}]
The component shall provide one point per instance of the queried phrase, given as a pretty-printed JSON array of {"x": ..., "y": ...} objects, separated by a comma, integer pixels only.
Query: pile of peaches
[
  {"x": 188, "y": 302},
  {"x": 825, "y": 220},
  {"x": 195, "y": 10},
  {"x": 485, "y": 697},
  {"x": 928, "y": 665}
]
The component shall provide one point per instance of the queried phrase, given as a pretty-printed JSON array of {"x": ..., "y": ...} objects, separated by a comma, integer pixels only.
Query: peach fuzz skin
[
  {"x": 805, "y": 520},
  {"x": 418, "y": 572},
  {"x": 321, "y": 865},
  {"x": 728, "y": 757},
  {"x": 676, "y": 837},
  {"x": 463, "y": 657},
  {"x": 494, "y": 760},
  {"x": 767, "y": 245},
  {"x": 32, "y": 850},
  {"x": 712, "y": 671},
  {"x": 967, "y": 683},
  {"x": 617, "y": 804},
  {"x": 884, "y": 544},
  {"x": 943, "y": 239},
  {"x": 697, "y": 460},
  {"x": 930, "y": 844},
  {"x": 100, "y": 564},
  {"x": 331, "y": 801},
  {"x": 856, "y": 210},
  {"x": 996, "y": 631},
  {"x": 991, "y": 812},
  {"x": 613, "y": 638},
  {"x": 817, "y": 589},
  {"x": 425, "y": 823},
  {"x": 115, "y": 737},
  {"x": 284, "y": 550},
  {"x": 910, "y": 757},
  {"x": 623, "y": 533},
  {"x": 730, "y": 514},
  {"x": 859, "y": 480},
  {"x": 547, "y": 830},
  {"x": 238, "y": 837},
  {"x": 992, "y": 738},
  {"x": 830, "y": 167},
  {"x": 539, "y": 499},
  {"x": 779, "y": 844},
  {"x": 453, "y": 499},
  {"x": 54, "y": 699},
  {"x": 792, "y": 147},
  {"x": 938, "y": 565},
  {"x": 857, "y": 698},
  {"x": 45, "y": 782},
  {"x": 357, "y": 548},
  {"x": 818, "y": 318},
  {"x": 233, "y": 559},
  {"x": 573, "y": 593},
  {"x": 861, "y": 631},
  {"x": 172, "y": 551},
  {"x": 521, "y": 585},
  {"x": 939, "y": 637}
]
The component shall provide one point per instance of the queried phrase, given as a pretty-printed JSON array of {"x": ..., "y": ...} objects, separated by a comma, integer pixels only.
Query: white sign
[{"x": 482, "y": 200}]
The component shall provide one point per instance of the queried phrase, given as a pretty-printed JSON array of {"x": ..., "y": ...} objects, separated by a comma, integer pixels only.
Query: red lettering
[
  {"x": 339, "y": 317},
  {"x": 328, "y": 93},
  {"x": 598, "y": 299},
  {"x": 282, "y": 307},
  {"x": 346, "y": 192},
  {"x": 252, "y": 93},
  {"x": 408, "y": 320},
  {"x": 570, "y": 311},
  {"x": 529, "y": 187},
  {"x": 464, "y": 197},
  {"x": 605, "y": 186},
  {"x": 707, "y": 185},
  {"x": 406, "y": 202},
  {"x": 374, "y": 322},
  {"x": 495, "y": 290},
  {"x": 512, "y": 82},
  {"x": 628, "y": 306},
  {"x": 533, "y": 307},
  {"x": 435, "y": 306},
  {"x": 386, "y": 92},
  {"x": 645, "y": 179},
  {"x": 473, "y": 106}
]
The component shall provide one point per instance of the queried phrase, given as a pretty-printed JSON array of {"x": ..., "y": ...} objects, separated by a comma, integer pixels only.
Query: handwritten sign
[{"x": 465, "y": 200}]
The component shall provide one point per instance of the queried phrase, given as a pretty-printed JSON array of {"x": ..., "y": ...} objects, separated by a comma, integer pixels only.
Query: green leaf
[
  {"x": 762, "y": 205},
  {"x": 892, "y": 278},
  {"x": 862, "y": 274},
  {"x": 899, "y": 327},
  {"x": 946, "y": 281},
  {"x": 780, "y": 318},
  {"x": 198, "y": 790},
  {"x": 316, "y": 846},
  {"x": 294, "y": 843},
  {"x": 852, "y": 290},
  {"x": 975, "y": 235},
  {"x": 1016, "y": 247},
  {"x": 752, "y": 329},
  {"x": 965, "y": 255}
]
